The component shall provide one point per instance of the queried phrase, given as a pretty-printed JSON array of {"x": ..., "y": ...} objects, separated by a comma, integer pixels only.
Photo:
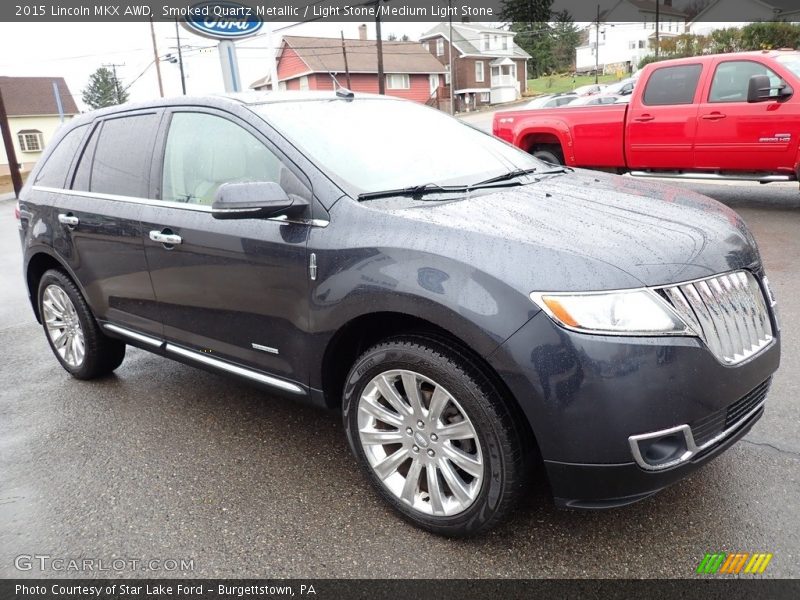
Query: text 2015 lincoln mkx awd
[{"x": 470, "y": 310}]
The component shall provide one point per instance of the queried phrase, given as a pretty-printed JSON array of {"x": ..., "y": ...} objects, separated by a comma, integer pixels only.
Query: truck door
[
  {"x": 733, "y": 135},
  {"x": 662, "y": 120}
]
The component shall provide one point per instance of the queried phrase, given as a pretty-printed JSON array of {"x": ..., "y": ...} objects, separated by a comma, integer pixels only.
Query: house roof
[
  {"x": 781, "y": 7},
  {"x": 33, "y": 96},
  {"x": 466, "y": 37},
  {"x": 324, "y": 55},
  {"x": 650, "y": 6}
]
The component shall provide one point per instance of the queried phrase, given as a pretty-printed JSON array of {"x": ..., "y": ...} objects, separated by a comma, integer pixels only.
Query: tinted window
[
  {"x": 204, "y": 151},
  {"x": 54, "y": 171},
  {"x": 731, "y": 80},
  {"x": 672, "y": 85},
  {"x": 83, "y": 172},
  {"x": 121, "y": 163}
]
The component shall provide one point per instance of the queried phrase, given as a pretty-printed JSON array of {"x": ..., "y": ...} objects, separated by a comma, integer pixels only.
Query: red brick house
[
  {"x": 488, "y": 67},
  {"x": 315, "y": 63}
]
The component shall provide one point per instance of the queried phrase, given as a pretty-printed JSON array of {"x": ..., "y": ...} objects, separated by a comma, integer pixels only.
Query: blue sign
[{"x": 222, "y": 20}]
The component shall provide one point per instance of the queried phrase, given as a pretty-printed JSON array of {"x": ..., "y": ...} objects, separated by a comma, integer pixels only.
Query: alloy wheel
[
  {"x": 63, "y": 325},
  {"x": 420, "y": 443}
]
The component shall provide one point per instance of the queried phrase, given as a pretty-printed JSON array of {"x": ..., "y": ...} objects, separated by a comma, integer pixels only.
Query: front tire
[
  {"x": 72, "y": 332},
  {"x": 433, "y": 435}
]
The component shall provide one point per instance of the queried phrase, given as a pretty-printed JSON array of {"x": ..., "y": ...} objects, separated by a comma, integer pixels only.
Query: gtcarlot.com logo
[{"x": 734, "y": 563}]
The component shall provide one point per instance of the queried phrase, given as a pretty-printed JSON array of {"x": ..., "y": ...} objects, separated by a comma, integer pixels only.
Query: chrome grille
[{"x": 728, "y": 312}]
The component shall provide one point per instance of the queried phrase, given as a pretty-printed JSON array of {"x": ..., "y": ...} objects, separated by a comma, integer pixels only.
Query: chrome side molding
[
  {"x": 235, "y": 369},
  {"x": 759, "y": 177},
  {"x": 139, "y": 337}
]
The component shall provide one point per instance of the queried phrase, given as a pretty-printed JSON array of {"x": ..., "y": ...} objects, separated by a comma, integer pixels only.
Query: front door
[
  {"x": 733, "y": 135},
  {"x": 662, "y": 122},
  {"x": 231, "y": 289}
]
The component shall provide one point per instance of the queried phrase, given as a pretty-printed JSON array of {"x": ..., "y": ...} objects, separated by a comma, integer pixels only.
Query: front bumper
[{"x": 585, "y": 397}]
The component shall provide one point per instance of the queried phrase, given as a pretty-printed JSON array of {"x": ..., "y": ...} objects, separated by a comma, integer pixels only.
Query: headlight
[{"x": 635, "y": 312}]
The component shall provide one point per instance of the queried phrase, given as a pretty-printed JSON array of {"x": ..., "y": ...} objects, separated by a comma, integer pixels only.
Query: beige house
[{"x": 36, "y": 107}]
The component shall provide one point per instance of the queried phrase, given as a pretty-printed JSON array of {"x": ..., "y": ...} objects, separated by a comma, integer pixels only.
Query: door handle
[
  {"x": 644, "y": 118},
  {"x": 69, "y": 220},
  {"x": 714, "y": 116},
  {"x": 166, "y": 237}
]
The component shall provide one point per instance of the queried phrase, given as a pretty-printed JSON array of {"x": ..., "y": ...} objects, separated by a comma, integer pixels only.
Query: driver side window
[
  {"x": 204, "y": 151},
  {"x": 732, "y": 78}
]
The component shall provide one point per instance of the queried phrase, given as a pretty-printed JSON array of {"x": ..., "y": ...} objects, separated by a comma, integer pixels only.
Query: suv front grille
[
  {"x": 712, "y": 425},
  {"x": 728, "y": 312}
]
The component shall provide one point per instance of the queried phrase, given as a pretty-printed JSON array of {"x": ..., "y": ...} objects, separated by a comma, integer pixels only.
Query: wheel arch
[
  {"x": 38, "y": 262},
  {"x": 555, "y": 133}
]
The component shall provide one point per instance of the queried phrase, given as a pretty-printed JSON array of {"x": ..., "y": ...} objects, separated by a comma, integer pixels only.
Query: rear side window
[
  {"x": 54, "y": 172},
  {"x": 672, "y": 85},
  {"x": 122, "y": 158}
]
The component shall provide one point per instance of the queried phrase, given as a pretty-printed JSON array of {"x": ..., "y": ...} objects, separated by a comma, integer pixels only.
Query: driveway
[{"x": 163, "y": 461}]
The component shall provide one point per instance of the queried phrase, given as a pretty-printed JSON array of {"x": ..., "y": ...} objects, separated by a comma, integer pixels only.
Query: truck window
[
  {"x": 732, "y": 78},
  {"x": 121, "y": 163},
  {"x": 672, "y": 85},
  {"x": 54, "y": 171}
]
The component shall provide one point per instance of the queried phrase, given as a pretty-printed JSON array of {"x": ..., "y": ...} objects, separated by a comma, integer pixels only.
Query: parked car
[
  {"x": 621, "y": 88},
  {"x": 728, "y": 116},
  {"x": 593, "y": 100},
  {"x": 550, "y": 101},
  {"x": 469, "y": 310},
  {"x": 588, "y": 90}
]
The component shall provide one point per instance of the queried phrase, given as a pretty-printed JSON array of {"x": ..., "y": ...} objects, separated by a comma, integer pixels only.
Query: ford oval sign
[{"x": 222, "y": 20}]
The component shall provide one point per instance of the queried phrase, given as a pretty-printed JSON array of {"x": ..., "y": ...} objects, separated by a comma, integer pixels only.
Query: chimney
[{"x": 362, "y": 32}]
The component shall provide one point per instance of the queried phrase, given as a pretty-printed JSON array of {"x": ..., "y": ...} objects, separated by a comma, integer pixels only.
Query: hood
[{"x": 586, "y": 231}]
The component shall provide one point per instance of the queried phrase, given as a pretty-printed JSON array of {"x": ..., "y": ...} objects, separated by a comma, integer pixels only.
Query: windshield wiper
[
  {"x": 415, "y": 191},
  {"x": 504, "y": 177}
]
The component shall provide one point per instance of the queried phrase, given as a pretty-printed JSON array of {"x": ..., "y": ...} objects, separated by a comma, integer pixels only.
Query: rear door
[
  {"x": 231, "y": 289},
  {"x": 733, "y": 135},
  {"x": 662, "y": 120},
  {"x": 100, "y": 235}
]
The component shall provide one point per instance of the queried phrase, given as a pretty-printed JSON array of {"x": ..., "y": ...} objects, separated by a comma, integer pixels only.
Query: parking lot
[{"x": 163, "y": 461}]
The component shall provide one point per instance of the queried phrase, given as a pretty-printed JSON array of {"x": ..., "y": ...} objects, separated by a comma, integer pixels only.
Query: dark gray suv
[{"x": 472, "y": 311}]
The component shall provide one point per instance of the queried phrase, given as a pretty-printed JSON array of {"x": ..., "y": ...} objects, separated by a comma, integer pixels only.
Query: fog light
[{"x": 662, "y": 449}]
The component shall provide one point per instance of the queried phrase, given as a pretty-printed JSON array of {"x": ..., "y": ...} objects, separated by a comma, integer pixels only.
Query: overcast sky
[{"x": 74, "y": 51}]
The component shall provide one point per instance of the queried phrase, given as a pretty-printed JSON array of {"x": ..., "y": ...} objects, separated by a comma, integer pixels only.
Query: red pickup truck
[{"x": 727, "y": 116}]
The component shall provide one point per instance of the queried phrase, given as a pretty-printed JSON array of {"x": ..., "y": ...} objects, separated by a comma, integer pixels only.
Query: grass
[
  {"x": 555, "y": 84},
  {"x": 6, "y": 187}
]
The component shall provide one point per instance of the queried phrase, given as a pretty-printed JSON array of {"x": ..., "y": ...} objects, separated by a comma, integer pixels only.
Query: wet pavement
[{"x": 164, "y": 461}]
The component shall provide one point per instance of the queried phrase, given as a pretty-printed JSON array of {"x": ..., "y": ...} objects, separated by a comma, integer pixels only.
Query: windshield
[
  {"x": 375, "y": 144},
  {"x": 791, "y": 62}
]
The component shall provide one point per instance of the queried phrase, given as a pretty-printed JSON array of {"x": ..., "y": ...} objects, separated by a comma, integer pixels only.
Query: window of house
[
  {"x": 631, "y": 45},
  {"x": 30, "y": 140},
  {"x": 123, "y": 155},
  {"x": 398, "y": 81},
  {"x": 486, "y": 41},
  {"x": 485, "y": 97},
  {"x": 479, "y": 71},
  {"x": 440, "y": 47},
  {"x": 672, "y": 85},
  {"x": 505, "y": 42},
  {"x": 204, "y": 151},
  {"x": 732, "y": 78},
  {"x": 304, "y": 82},
  {"x": 54, "y": 172},
  {"x": 641, "y": 44}
]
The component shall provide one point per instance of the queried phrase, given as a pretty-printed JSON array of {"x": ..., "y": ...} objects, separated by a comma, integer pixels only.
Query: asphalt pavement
[{"x": 164, "y": 461}]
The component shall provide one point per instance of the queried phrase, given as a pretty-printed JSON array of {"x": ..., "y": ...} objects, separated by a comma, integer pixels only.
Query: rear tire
[
  {"x": 549, "y": 154},
  {"x": 72, "y": 331},
  {"x": 433, "y": 435}
]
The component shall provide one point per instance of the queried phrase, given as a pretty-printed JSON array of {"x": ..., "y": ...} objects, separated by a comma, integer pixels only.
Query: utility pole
[
  {"x": 156, "y": 59},
  {"x": 180, "y": 57},
  {"x": 346, "y": 67},
  {"x": 11, "y": 154},
  {"x": 117, "y": 91},
  {"x": 658, "y": 27},
  {"x": 597, "y": 48},
  {"x": 450, "y": 59},
  {"x": 381, "y": 77}
]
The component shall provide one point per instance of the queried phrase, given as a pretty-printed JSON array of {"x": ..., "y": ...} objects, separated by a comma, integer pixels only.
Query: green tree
[
  {"x": 104, "y": 89},
  {"x": 566, "y": 38},
  {"x": 767, "y": 36},
  {"x": 530, "y": 20}
]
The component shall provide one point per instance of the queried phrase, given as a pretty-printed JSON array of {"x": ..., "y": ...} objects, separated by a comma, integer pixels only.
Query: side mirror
[
  {"x": 253, "y": 200},
  {"x": 759, "y": 89}
]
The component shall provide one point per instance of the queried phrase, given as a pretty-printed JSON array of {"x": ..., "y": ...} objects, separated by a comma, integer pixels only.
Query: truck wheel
[
  {"x": 433, "y": 436},
  {"x": 72, "y": 332},
  {"x": 548, "y": 154}
]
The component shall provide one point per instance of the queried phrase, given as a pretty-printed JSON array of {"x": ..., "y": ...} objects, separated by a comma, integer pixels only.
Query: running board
[
  {"x": 713, "y": 176},
  {"x": 207, "y": 360}
]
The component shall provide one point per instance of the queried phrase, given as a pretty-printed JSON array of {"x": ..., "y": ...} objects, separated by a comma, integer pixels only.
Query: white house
[
  {"x": 716, "y": 15},
  {"x": 36, "y": 107},
  {"x": 625, "y": 33}
]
